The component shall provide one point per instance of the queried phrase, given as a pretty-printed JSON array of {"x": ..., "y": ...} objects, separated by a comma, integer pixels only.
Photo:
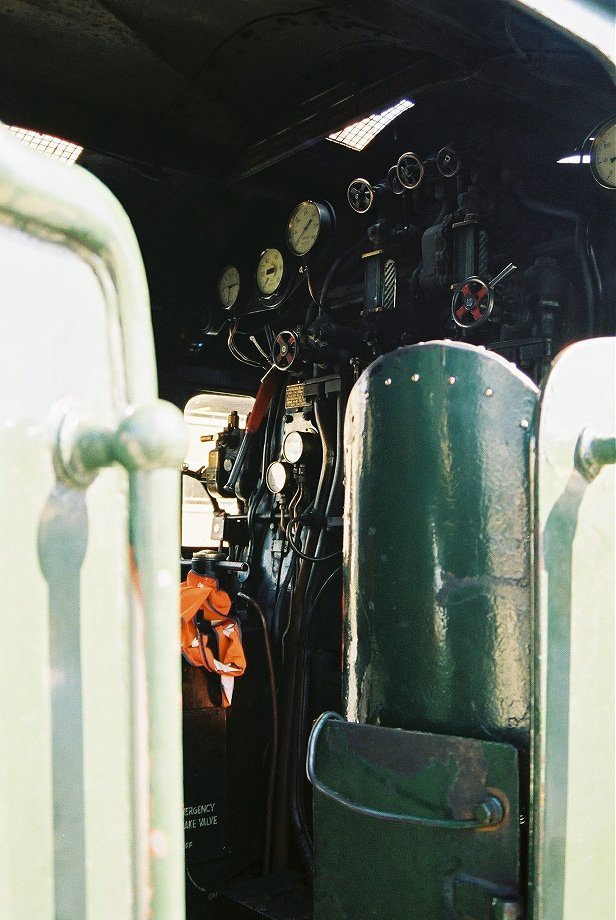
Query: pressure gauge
[
  {"x": 603, "y": 154},
  {"x": 270, "y": 271},
  {"x": 279, "y": 477},
  {"x": 229, "y": 287},
  {"x": 300, "y": 445},
  {"x": 360, "y": 195},
  {"x": 309, "y": 222},
  {"x": 410, "y": 170}
]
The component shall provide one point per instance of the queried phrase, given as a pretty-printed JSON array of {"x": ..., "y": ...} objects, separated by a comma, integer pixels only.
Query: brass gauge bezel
[{"x": 601, "y": 136}]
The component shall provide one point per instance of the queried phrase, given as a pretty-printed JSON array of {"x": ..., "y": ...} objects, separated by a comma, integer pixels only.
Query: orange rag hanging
[{"x": 202, "y": 594}]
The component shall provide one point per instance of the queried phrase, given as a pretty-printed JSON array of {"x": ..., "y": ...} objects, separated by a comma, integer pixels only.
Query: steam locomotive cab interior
[{"x": 315, "y": 191}]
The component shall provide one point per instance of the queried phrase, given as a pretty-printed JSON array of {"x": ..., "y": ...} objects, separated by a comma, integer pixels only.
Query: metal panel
[
  {"x": 398, "y": 841},
  {"x": 89, "y": 713},
  {"x": 437, "y": 545},
  {"x": 573, "y": 748}
]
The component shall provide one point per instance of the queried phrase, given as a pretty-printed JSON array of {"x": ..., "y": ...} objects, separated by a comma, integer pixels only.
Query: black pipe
[
  {"x": 284, "y": 780},
  {"x": 579, "y": 245},
  {"x": 296, "y": 742},
  {"x": 356, "y": 247}
]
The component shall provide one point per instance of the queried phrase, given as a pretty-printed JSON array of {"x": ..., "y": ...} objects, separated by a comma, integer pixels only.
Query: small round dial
[
  {"x": 360, "y": 195},
  {"x": 270, "y": 271},
  {"x": 293, "y": 446},
  {"x": 410, "y": 170},
  {"x": 278, "y": 477},
  {"x": 304, "y": 227},
  {"x": 603, "y": 154},
  {"x": 229, "y": 286}
]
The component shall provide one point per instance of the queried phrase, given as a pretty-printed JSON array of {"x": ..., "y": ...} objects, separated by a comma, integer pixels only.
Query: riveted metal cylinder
[{"x": 438, "y": 544}]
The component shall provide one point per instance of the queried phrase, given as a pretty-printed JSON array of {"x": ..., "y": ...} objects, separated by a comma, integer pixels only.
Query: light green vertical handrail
[
  {"x": 69, "y": 207},
  {"x": 572, "y": 827}
]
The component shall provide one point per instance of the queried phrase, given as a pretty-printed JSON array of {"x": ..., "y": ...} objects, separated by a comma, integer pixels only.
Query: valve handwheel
[
  {"x": 472, "y": 303},
  {"x": 286, "y": 350},
  {"x": 473, "y": 300}
]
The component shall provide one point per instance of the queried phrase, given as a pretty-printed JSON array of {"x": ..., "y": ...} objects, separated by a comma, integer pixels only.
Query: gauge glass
[
  {"x": 410, "y": 170},
  {"x": 270, "y": 271},
  {"x": 603, "y": 154},
  {"x": 229, "y": 286},
  {"x": 360, "y": 195},
  {"x": 293, "y": 446},
  {"x": 276, "y": 477},
  {"x": 304, "y": 227}
]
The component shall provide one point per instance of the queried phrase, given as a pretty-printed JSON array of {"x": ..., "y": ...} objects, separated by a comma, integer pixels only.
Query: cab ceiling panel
[
  {"x": 274, "y": 71},
  {"x": 204, "y": 85},
  {"x": 74, "y": 63}
]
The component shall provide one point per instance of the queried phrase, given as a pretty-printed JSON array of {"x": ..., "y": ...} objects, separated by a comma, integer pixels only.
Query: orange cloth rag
[{"x": 228, "y": 660}]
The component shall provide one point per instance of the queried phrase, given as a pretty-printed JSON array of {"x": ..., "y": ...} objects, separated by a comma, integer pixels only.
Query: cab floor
[{"x": 274, "y": 897}]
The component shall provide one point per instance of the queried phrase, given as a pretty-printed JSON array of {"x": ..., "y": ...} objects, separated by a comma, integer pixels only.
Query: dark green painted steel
[
  {"x": 370, "y": 868},
  {"x": 438, "y": 544}
]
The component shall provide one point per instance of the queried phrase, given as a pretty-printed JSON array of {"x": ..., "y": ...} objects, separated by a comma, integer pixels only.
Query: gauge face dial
[
  {"x": 276, "y": 477},
  {"x": 410, "y": 170},
  {"x": 229, "y": 286},
  {"x": 603, "y": 154},
  {"x": 360, "y": 195},
  {"x": 304, "y": 227},
  {"x": 293, "y": 446},
  {"x": 270, "y": 271}
]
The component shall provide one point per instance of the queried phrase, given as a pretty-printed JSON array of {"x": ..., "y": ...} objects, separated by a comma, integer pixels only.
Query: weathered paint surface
[
  {"x": 437, "y": 544},
  {"x": 371, "y": 868}
]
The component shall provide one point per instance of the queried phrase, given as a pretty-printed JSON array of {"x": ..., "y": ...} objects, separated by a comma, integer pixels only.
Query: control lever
[{"x": 226, "y": 565}]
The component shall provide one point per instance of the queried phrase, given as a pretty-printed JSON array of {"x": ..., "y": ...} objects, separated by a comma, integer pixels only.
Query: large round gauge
[
  {"x": 360, "y": 195},
  {"x": 603, "y": 154},
  {"x": 270, "y": 271},
  {"x": 308, "y": 222},
  {"x": 229, "y": 286},
  {"x": 410, "y": 170}
]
